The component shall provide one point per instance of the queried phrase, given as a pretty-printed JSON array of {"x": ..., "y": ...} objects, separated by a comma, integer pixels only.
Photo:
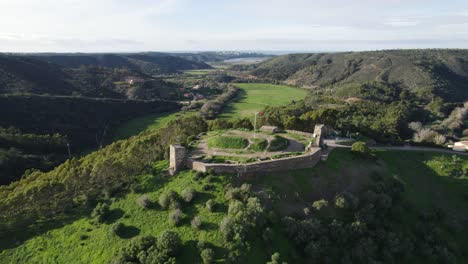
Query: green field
[
  {"x": 198, "y": 72},
  {"x": 254, "y": 97},
  {"x": 137, "y": 125}
]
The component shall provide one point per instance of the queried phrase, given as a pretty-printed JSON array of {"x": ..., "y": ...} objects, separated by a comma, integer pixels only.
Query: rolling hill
[
  {"x": 425, "y": 73},
  {"x": 23, "y": 74},
  {"x": 151, "y": 63}
]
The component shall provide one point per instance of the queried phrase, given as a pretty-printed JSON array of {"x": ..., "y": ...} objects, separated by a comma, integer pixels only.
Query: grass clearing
[
  {"x": 258, "y": 144},
  {"x": 140, "y": 124},
  {"x": 226, "y": 142},
  {"x": 253, "y": 97}
]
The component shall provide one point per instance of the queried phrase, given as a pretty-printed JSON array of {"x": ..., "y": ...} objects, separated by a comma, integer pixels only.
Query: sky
[{"x": 244, "y": 25}]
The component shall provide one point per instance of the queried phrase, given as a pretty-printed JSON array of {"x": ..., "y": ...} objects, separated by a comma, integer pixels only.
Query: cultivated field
[{"x": 255, "y": 96}]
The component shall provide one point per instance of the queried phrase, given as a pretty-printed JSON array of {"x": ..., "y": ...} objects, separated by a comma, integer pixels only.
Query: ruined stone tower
[
  {"x": 319, "y": 134},
  {"x": 176, "y": 158}
]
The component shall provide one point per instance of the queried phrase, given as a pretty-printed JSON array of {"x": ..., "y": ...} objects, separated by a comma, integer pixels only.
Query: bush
[
  {"x": 210, "y": 204},
  {"x": 199, "y": 175},
  {"x": 207, "y": 255},
  {"x": 175, "y": 217},
  {"x": 169, "y": 199},
  {"x": 118, "y": 228},
  {"x": 188, "y": 194},
  {"x": 196, "y": 222},
  {"x": 100, "y": 213},
  {"x": 169, "y": 241},
  {"x": 242, "y": 123},
  {"x": 319, "y": 204},
  {"x": 360, "y": 148},
  {"x": 144, "y": 201}
]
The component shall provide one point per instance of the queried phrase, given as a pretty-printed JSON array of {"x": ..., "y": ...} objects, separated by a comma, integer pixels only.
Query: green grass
[
  {"x": 198, "y": 72},
  {"x": 64, "y": 245},
  {"x": 253, "y": 97},
  {"x": 227, "y": 142},
  {"x": 278, "y": 143},
  {"x": 258, "y": 144},
  {"x": 140, "y": 124}
]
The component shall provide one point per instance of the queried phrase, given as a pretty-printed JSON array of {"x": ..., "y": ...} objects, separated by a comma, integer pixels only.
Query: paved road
[{"x": 332, "y": 143}]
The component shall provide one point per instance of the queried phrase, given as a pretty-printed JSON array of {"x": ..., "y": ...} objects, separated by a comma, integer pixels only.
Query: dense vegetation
[
  {"x": 20, "y": 74},
  {"x": 85, "y": 121},
  {"x": 20, "y": 151},
  {"x": 424, "y": 73},
  {"x": 150, "y": 63},
  {"x": 79, "y": 181}
]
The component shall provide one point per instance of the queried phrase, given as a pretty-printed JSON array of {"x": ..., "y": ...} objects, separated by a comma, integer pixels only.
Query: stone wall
[{"x": 283, "y": 164}]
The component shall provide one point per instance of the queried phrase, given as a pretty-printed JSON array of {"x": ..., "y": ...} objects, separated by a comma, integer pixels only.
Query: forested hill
[
  {"x": 148, "y": 63},
  {"x": 23, "y": 74},
  {"x": 425, "y": 73}
]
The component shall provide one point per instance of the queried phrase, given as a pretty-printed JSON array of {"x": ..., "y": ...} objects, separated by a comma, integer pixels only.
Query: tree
[
  {"x": 360, "y": 148},
  {"x": 207, "y": 255},
  {"x": 144, "y": 201}
]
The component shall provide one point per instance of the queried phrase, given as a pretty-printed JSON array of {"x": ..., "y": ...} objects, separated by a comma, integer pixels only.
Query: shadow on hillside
[
  {"x": 15, "y": 237},
  {"x": 229, "y": 109},
  {"x": 129, "y": 232},
  {"x": 114, "y": 215}
]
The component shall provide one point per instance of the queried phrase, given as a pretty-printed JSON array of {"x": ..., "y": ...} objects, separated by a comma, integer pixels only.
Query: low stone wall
[
  {"x": 283, "y": 164},
  {"x": 306, "y": 134}
]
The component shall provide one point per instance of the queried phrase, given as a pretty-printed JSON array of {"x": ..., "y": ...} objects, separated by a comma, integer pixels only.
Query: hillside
[
  {"x": 21, "y": 74},
  {"x": 150, "y": 63},
  {"x": 346, "y": 208},
  {"x": 424, "y": 73}
]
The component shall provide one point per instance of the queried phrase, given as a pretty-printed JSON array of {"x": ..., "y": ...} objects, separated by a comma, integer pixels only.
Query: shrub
[
  {"x": 169, "y": 241},
  {"x": 425, "y": 135},
  {"x": 319, "y": 204},
  {"x": 208, "y": 187},
  {"x": 360, "y": 148},
  {"x": 175, "y": 217},
  {"x": 207, "y": 255},
  {"x": 201, "y": 244},
  {"x": 226, "y": 227},
  {"x": 188, "y": 194},
  {"x": 242, "y": 123},
  {"x": 275, "y": 259},
  {"x": 340, "y": 201},
  {"x": 164, "y": 201},
  {"x": 196, "y": 222},
  {"x": 440, "y": 139},
  {"x": 210, "y": 204},
  {"x": 199, "y": 175},
  {"x": 118, "y": 228},
  {"x": 100, "y": 213},
  {"x": 144, "y": 201},
  {"x": 169, "y": 199}
]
